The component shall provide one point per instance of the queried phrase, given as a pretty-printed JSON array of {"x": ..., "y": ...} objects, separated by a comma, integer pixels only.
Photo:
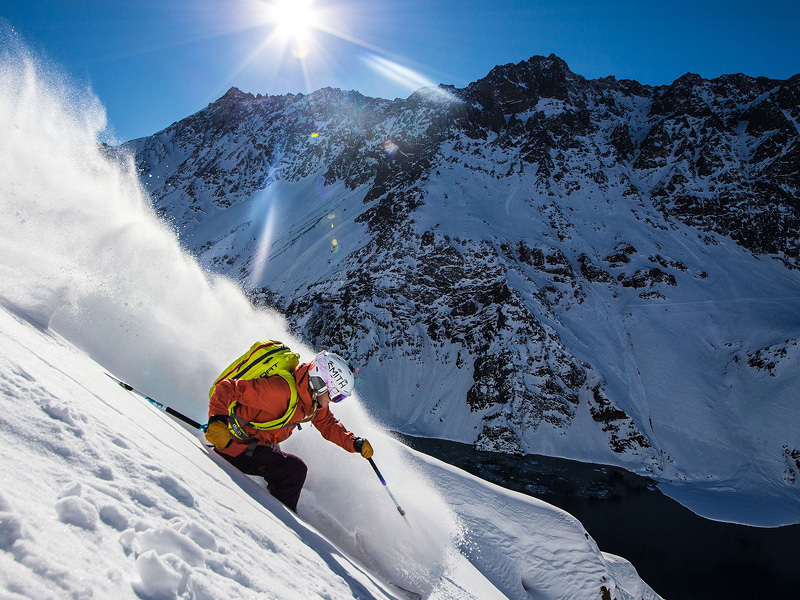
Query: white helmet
[{"x": 329, "y": 372}]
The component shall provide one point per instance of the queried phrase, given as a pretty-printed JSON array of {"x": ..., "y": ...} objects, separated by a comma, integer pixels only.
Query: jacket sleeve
[
  {"x": 221, "y": 398},
  {"x": 332, "y": 430}
]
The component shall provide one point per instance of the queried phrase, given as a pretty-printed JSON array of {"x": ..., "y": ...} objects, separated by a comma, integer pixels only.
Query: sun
[{"x": 294, "y": 18}]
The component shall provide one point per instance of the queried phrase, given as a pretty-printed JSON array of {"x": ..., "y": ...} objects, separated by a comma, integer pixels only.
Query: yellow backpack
[{"x": 266, "y": 358}]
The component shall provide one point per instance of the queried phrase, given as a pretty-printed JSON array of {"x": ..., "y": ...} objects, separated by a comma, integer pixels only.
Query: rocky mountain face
[{"x": 494, "y": 257}]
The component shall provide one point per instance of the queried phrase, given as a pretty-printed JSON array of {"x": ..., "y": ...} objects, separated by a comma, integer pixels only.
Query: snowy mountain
[
  {"x": 592, "y": 269},
  {"x": 105, "y": 496}
]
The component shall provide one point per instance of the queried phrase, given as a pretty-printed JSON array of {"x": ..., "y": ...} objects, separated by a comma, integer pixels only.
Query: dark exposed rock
[
  {"x": 625, "y": 435},
  {"x": 767, "y": 359},
  {"x": 592, "y": 272},
  {"x": 622, "y": 141},
  {"x": 765, "y": 116},
  {"x": 675, "y": 264},
  {"x": 646, "y": 278},
  {"x": 499, "y": 438},
  {"x": 621, "y": 254},
  {"x": 792, "y": 458}
]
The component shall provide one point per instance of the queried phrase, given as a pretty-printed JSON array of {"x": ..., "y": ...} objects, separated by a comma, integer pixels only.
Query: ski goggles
[{"x": 319, "y": 386}]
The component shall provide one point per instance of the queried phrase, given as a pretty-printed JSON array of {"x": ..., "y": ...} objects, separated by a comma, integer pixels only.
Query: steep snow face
[
  {"x": 105, "y": 496},
  {"x": 598, "y": 270}
]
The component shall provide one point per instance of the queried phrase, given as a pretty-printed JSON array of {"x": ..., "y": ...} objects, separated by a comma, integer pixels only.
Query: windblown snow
[{"x": 104, "y": 496}]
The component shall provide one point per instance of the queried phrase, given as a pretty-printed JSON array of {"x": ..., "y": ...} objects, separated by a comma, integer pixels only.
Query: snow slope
[{"x": 104, "y": 496}]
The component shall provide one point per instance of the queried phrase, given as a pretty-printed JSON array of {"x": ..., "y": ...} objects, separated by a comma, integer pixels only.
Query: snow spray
[{"x": 85, "y": 256}]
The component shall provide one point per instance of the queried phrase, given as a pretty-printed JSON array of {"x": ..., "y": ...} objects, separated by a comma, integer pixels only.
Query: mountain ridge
[{"x": 469, "y": 228}]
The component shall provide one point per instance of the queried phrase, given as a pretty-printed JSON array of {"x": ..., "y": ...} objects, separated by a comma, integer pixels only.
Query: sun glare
[
  {"x": 302, "y": 28},
  {"x": 294, "y": 18}
]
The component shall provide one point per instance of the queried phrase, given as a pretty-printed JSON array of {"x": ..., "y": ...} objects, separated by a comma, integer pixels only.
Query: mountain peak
[
  {"x": 235, "y": 93},
  {"x": 548, "y": 62},
  {"x": 518, "y": 87},
  {"x": 536, "y": 67},
  {"x": 688, "y": 80}
]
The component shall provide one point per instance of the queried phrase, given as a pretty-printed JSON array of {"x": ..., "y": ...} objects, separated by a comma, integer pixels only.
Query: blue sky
[{"x": 152, "y": 62}]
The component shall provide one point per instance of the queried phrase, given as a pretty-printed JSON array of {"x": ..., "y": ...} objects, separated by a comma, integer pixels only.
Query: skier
[{"x": 237, "y": 404}]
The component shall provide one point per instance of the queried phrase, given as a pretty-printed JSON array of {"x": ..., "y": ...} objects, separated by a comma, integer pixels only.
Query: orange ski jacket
[{"x": 266, "y": 399}]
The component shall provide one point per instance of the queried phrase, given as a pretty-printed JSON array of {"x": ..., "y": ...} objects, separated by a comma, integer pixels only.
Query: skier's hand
[
  {"x": 218, "y": 434},
  {"x": 364, "y": 447}
]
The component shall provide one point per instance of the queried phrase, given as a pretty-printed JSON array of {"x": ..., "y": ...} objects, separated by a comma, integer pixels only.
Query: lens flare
[
  {"x": 409, "y": 78},
  {"x": 359, "y": 379},
  {"x": 301, "y": 49},
  {"x": 390, "y": 148},
  {"x": 264, "y": 209}
]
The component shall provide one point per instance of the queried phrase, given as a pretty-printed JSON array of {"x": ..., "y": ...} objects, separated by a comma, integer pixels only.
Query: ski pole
[
  {"x": 386, "y": 487},
  {"x": 167, "y": 409}
]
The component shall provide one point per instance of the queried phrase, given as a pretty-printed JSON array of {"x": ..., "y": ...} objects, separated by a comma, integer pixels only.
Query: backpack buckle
[{"x": 236, "y": 425}]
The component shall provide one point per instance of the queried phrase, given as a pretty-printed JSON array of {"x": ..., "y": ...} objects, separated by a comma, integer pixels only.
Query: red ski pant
[{"x": 284, "y": 473}]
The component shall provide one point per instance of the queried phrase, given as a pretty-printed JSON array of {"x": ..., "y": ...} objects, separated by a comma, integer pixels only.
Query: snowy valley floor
[{"x": 104, "y": 496}]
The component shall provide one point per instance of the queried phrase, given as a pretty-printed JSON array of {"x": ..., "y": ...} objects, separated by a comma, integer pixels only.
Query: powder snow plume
[{"x": 85, "y": 256}]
